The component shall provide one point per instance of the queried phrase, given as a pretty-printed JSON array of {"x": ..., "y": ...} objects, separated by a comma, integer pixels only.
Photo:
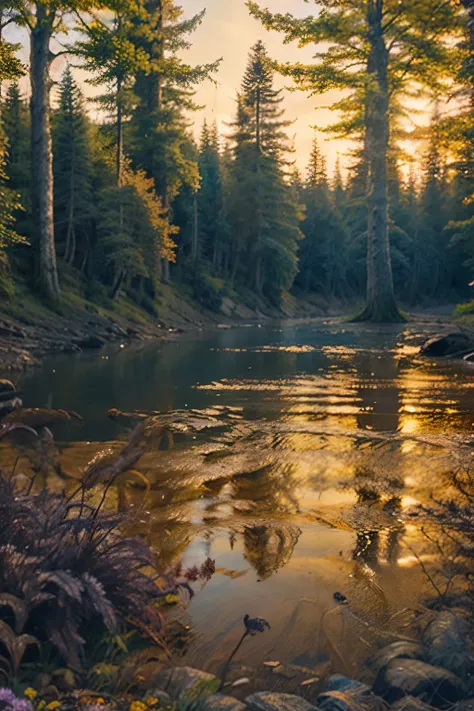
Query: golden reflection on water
[{"x": 301, "y": 491}]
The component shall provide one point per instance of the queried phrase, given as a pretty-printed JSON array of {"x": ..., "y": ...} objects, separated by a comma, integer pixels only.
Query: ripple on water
[{"x": 334, "y": 434}]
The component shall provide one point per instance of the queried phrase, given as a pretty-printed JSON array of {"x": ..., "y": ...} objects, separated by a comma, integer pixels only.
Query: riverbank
[{"x": 30, "y": 331}]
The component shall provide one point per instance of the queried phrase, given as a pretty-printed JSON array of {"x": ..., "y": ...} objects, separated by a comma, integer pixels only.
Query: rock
[
  {"x": 410, "y": 677},
  {"x": 269, "y": 701},
  {"x": 446, "y": 643},
  {"x": 339, "y": 701},
  {"x": 451, "y": 344},
  {"x": 338, "y": 682},
  {"x": 91, "y": 342},
  {"x": 409, "y": 703},
  {"x": 219, "y": 702},
  {"x": 182, "y": 679},
  {"x": 9, "y": 406},
  {"x": 396, "y": 650}
]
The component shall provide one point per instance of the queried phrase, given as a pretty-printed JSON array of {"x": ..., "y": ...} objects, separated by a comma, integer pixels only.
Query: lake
[{"x": 330, "y": 434}]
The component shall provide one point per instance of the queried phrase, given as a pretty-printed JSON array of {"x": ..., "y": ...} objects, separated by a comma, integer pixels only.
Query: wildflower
[
  {"x": 41, "y": 706},
  {"x": 30, "y": 693},
  {"x": 22, "y": 705},
  {"x": 255, "y": 624},
  {"x": 100, "y": 701},
  {"x": 53, "y": 705},
  {"x": 7, "y": 696},
  {"x": 138, "y": 706},
  {"x": 152, "y": 701}
]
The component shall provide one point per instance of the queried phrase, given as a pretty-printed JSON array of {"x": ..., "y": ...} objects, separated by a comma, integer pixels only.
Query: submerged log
[{"x": 43, "y": 417}]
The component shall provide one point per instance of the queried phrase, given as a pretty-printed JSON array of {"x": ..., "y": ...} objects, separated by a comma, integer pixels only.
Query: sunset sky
[{"x": 228, "y": 31}]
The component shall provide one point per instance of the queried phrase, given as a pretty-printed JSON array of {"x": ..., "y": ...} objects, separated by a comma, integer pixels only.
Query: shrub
[
  {"x": 69, "y": 575},
  {"x": 207, "y": 291}
]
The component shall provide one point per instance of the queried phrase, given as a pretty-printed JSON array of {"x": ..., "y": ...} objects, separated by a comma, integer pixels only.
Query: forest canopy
[{"x": 134, "y": 198}]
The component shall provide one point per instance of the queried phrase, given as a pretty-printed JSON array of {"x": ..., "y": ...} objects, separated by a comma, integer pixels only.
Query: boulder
[
  {"x": 410, "y": 677},
  {"x": 343, "y": 701},
  {"x": 219, "y": 702},
  {"x": 396, "y": 650},
  {"x": 182, "y": 679},
  {"x": 446, "y": 643},
  {"x": 451, "y": 344},
  {"x": 270, "y": 701}
]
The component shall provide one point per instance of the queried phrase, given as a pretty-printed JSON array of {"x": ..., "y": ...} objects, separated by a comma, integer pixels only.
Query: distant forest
[{"x": 121, "y": 205}]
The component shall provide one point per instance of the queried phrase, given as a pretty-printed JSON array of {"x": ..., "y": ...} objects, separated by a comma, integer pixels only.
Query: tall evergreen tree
[
  {"x": 377, "y": 50},
  {"x": 212, "y": 226},
  {"x": 265, "y": 214},
  {"x": 44, "y": 20},
  {"x": 322, "y": 265},
  {"x": 16, "y": 125},
  {"x": 73, "y": 174},
  {"x": 165, "y": 97},
  {"x": 10, "y": 70}
]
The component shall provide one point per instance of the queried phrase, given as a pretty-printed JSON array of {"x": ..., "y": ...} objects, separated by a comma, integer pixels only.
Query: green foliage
[
  {"x": 264, "y": 212},
  {"x": 73, "y": 175},
  {"x": 207, "y": 290}
]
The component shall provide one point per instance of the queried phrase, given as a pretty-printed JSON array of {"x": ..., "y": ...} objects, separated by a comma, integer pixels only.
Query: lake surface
[{"x": 330, "y": 435}]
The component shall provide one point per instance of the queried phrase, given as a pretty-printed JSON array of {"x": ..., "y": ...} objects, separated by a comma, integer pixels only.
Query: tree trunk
[
  {"x": 119, "y": 147},
  {"x": 195, "y": 240},
  {"x": 42, "y": 157},
  {"x": 469, "y": 5},
  {"x": 381, "y": 305}
]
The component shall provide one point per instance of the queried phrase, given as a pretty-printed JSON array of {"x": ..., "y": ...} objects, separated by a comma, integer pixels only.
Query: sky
[{"x": 228, "y": 31}]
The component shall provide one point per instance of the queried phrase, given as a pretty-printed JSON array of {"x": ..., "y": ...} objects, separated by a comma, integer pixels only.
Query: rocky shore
[{"x": 405, "y": 676}]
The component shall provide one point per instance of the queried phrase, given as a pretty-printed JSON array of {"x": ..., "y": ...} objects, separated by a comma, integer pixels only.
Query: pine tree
[
  {"x": 165, "y": 98},
  {"x": 16, "y": 125},
  {"x": 435, "y": 258},
  {"x": 322, "y": 265},
  {"x": 317, "y": 171},
  {"x": 212, "y": 226},
  {"x": 112, "y": 53},
  {"x": 265, "y": 215},
  {"x": 44, "y": 20},
  {"x": 10, "y": 69},
  {"x": 73, "y": 174},
  {"x": 377, "y": 50}
]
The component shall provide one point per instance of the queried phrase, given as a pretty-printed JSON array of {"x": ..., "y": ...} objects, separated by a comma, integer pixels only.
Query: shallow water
[{"x": 325, "y": 436}]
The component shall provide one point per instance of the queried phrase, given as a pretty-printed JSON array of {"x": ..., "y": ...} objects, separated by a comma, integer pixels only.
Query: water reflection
[{"x": 325, "y": 438}]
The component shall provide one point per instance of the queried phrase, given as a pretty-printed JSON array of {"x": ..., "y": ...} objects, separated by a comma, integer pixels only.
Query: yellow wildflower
[
  {"x": 41, "y": 706},
  {"x": 138, "y": 706},
  {"x": 100, "y": 701},
  {"x": 152, "y": 701},
  {"x": 30, "y": 693},
  {"x": 53, "y": 705}
]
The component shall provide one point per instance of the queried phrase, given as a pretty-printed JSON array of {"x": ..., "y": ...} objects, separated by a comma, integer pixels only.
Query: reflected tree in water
[{"x": 269, "y": 548}]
